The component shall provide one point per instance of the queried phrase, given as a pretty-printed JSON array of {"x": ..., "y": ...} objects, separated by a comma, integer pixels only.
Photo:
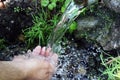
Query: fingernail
[{"x": 43, "y": 51}]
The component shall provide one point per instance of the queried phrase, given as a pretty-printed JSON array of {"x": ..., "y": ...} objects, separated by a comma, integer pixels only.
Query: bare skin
[
  {"x": 5, "y": 3},
  {"x": 40, "y": 64},
  {"x": 2, "y": 4}
]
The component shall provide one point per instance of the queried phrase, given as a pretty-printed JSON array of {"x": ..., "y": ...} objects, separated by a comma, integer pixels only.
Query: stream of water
[
  {"x": 72, "y": 12},
  {"x": 69, "y": 15}
]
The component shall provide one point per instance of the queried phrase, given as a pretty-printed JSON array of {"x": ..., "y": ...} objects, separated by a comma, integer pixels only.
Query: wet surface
[
  {"x": 77, "y": 63},
  {"x": 9, "y": 52},
  {"x": 78, "y": 60}
]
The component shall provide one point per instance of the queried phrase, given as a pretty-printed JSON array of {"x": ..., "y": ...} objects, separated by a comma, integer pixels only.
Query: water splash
[
  {"x": 69, "y": 15},
  {"x": 72, "y": 12}
]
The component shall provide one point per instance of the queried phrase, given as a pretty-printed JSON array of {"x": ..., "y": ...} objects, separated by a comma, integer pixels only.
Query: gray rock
[
  {"x": 102, "y": 30},
  {"x": 114, "y": 37},
  {"x": 87, "y": 23},
  {"x": 113, "y": 5}
]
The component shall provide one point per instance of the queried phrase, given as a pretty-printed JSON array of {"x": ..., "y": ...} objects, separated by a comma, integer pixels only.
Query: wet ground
[
  {"x": 10, "y": 51},
  {"x": 76, "y": 62}
]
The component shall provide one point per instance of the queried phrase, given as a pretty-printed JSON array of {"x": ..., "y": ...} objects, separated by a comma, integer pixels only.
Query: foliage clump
[
  {"x": 112, "y": 67},
  {"x": 41, "y": 29},
  {"x": 44, "y": 21},
  {"x": 2, "y": 44},
  {"x": 52, "y": 4}
]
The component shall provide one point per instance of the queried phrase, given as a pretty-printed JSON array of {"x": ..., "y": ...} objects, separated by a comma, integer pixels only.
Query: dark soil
[{"x": 13, "y": 19}]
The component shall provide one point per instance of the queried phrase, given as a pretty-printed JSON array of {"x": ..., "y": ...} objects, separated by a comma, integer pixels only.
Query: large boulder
[
  {"x": 113, "y": 5},
  {"x": 100, "y": 28}
]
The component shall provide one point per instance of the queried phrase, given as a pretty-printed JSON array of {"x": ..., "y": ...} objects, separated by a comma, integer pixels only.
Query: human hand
[
  {"x": 2, "y": 4},
  {"x": 40, "y": 64}
]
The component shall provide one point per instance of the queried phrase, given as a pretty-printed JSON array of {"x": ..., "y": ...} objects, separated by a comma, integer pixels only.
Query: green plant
[
  {"x": 73, "y": 27},
  {"x": 41, "y": 29},
  {"x": 44, "y": 22},
  {"x": 50, "y": 4},
  {"x": 66, "y": 3},
  {"x": 2, "y": 45},
  {"x": 112, "y": 67},
  {"x": 17, "y": 9}
]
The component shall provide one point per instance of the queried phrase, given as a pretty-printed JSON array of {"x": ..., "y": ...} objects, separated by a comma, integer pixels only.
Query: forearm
[{"x": 10, "y": 70}]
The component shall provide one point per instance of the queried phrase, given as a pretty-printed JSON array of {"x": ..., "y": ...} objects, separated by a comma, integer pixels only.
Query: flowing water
[
  {"x": 69, "y": 15},
  {"x": 72, "y": 65},
  {"x": 73, "y": 10}
]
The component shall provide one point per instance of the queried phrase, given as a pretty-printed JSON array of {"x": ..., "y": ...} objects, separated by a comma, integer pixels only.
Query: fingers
[
  {"x": 48, "y": 52},
  {"x": 43, "y": 50},
  {"x": 37, "y": 50},
  {"x": 55, "y": 58}
]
